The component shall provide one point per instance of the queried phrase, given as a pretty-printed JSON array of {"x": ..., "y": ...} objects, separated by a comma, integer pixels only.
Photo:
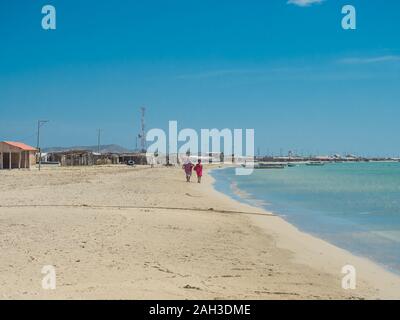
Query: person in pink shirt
[
  {"x": 188, "y": 167},
  {"x": 199, "y": 170}
]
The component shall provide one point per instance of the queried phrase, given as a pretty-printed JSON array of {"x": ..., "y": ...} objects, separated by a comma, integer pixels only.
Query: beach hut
[
  {"x": 136, "y": 157},
  {"x": 16, "y": 155},
  {"x": 72, "y": 157},
  {"x": 81, "y": 158}
]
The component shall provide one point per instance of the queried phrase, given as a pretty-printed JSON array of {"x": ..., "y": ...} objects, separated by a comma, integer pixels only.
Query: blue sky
[{"x": 288, "y": 71}]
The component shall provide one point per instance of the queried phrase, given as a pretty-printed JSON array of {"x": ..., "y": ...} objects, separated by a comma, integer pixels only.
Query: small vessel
[
  {"x": 261, "y": 165},
  {"x": 292, "y": 164},
  {"x": 315, "y": 163}
]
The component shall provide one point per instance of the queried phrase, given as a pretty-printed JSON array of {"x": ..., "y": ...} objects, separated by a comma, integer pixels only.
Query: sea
[{"x": 355, "y": 206}]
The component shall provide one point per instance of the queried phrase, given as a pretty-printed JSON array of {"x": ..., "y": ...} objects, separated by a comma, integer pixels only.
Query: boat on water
[
  {"x": 292, "y": 164},
  {"x": 261, "y": 165},
  {"x": 315, "y": 163}
]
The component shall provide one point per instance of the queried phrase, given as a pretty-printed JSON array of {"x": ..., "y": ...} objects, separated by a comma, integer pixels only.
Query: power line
[
  {"x": 142, "y": 134},
  {"x": 98, "y": 140},
  {"x": 39, "y": 125}
]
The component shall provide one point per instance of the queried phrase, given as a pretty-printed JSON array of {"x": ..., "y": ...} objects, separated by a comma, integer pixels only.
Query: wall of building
[
  {"x": 19, "y": 158},
  {"x": 81, "y": 158}
]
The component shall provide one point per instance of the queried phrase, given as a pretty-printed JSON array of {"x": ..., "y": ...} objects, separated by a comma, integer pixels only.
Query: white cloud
[
  {"x": 304, "y": 3},
  {"x": 363, "y": 60}
]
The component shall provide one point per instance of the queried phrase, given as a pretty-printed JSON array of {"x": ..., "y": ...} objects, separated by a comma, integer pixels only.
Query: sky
[{"x": 286, "y": 69}]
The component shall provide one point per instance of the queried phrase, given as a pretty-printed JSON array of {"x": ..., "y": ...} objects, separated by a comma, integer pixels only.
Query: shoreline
[{"x": 316, "y": 252}]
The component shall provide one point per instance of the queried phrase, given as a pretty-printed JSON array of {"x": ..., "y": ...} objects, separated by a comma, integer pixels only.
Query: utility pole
[
  {"x": 143, "y": 133},
  {"x": 39, "y": 124},
  {"x": 98, "y": 140}
]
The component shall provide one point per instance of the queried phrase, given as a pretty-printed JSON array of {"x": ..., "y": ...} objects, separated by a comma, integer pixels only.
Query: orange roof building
[{"x": 16, "y": 155}]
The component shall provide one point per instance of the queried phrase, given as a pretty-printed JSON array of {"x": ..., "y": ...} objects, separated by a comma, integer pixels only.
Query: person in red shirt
[{"x": 199, "y": 170}]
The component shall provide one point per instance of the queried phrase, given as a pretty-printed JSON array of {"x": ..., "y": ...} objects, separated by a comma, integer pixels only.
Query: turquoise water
[{"x": 355, "y": 206}]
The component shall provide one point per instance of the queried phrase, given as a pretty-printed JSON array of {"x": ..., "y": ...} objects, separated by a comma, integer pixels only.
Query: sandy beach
[{"x": 117, "y": 232}]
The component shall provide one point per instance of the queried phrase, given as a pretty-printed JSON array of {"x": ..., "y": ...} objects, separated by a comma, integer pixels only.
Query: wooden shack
[
  {"x": 81, "y": 158},
  {"x": 16, "y": 155},
  {"x": 72, "y": 158},
  {"x": 137, "y": 158}
]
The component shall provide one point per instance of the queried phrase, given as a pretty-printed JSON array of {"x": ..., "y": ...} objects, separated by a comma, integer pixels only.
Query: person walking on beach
[
  {"x": 199, "y": 170},
  {"x": 188, "y": 167}
]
